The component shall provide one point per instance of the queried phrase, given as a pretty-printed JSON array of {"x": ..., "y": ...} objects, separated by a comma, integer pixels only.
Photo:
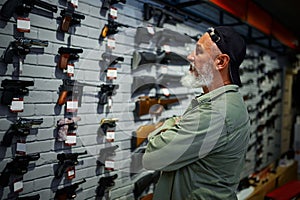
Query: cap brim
[{"x": 235, "y": 75}]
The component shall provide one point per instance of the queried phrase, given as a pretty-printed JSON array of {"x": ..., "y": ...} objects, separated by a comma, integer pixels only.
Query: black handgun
[
  {"x": 69, "y": 18},
  {"x": 66, "y": 55},
  {"x": 66, "y": 160},
  {"x": 68, "y": 192},
  {"x": 105, "y": 183},
  {"x": 13, "y": 89},
  {"x": 143, "y": 183},
  {"x": 20, "y": 128},
  {"x": 111, "y": 28},
  {"x": 23, "y": 6},
  {"x": 106, "y": 92},
  {"x": 18, "y": 166}
]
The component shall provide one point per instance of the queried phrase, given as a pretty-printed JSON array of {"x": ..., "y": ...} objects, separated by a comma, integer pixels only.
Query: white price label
[
  {"x": 74, "y": 3},
  {"x": 23, "y": 24},
  {"x": 110, "y": 164},
  {"x": 150, "y": 30},
  {"x": 110, "y": 135},
  {"x": 18, "y": 186},
  {"x": 72, "y": 106},
  {"x": 17, "y": 105},
  {"x": 21, "y": 147},
  {"x": 70, "y": 70},
  {"x": 113, "y": 12},
  {"x": 71, "y": 139},
  {"x": 165, "y": 91},
  {"x": 167, "y": 48},
  {"x": 111, "y": 73},
  {"x": 111, "y": 43}
]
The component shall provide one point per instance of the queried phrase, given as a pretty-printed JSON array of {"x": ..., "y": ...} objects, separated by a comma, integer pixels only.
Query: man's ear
[{"x": 222, "y": 61}]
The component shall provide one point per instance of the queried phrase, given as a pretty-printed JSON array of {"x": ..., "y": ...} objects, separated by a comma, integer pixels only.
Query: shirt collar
[{"x": 217, "y": 92}]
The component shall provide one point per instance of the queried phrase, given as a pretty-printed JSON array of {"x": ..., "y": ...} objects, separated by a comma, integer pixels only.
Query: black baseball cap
[{"x": 232, "y": 44}]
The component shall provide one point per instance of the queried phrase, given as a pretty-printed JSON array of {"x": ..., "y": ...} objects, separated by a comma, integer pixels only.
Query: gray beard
[{"x": 204, "y": 78}]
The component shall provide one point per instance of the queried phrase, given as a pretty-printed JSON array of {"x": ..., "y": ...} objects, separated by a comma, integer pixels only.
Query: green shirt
[{"x": 202, "y": 155}]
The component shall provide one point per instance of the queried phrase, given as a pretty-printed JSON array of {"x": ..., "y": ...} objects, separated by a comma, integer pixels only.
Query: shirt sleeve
[{"x": 178, "y": 145}]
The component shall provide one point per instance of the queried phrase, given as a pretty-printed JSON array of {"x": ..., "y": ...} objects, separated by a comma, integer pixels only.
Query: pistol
[
  {"x": 106, "y": 92},
  {"x": 111, "y": 28},
  {"x": 69, "y": 18},
  {"x": 108, "y": 123},
  {"x": 105, "y": 183},
  {"x": 68, "y": 192},
  {"x": 66, "y": 55},
  {"x": 105, "y": 153}
]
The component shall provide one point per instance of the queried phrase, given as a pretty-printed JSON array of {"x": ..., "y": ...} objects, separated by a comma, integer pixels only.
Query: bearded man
[{"x": 201, "y": 154}]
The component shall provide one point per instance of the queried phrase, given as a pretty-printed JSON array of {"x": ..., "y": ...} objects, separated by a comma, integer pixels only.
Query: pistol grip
[
  {"x": 63, "y": 61},
  {"x": 64, "y": 27},
  {"x": 104, "y": 31},
  {"x": 62, "y": 98}
]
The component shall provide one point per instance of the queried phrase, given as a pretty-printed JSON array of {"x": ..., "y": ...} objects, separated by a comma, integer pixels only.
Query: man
[{"x": 201, "y": 154}]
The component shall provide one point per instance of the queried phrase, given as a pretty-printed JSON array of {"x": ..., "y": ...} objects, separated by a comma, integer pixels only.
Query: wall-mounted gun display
[
  {"x": 69, "y": 18},
  {"x": 20, "y": 48},
  {"x": 111, "y": 28},
  {"x": 68, "y": 192},
  {"x": 67, "y": 55},
  {"x": 14, "y": 89},
  {"x": 22, "y": 7},
  {"x": 18, "y": 166},
  {"x": 106, "y": 4},
  {"x": 20, "y": 128},
  {"x": 66, "y": 160}
]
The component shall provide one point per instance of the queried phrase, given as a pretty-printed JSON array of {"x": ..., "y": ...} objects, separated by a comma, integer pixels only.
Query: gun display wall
[{"x": 84, "y": 82}]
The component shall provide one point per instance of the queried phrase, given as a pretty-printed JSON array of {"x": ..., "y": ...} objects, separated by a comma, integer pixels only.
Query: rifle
[
  {"x": 13, "y": 89},
  {"x": 66, "y": 160},
  {"x": 105, "y": 153},
  {"x": 23, "y": 6},
  {"x": 107, "y": 3},
  {"x": 21, "y": 47},
  {"x": 108, "y": 123},
  {"x": 32, "y": 197},
  {"x": 69, "y": 18},
  {"x": 68, "y": 192},
  {"x": 105, "y": 183},
  {"x": 143, "y": 183},
  {"x": 106, "y": 92},
  {"x": 112, "y": 28},
  {"x": 166, "y": 15},
  {"x": 17, "y": 166},
  {"x": 65, "y": 125},
  {"x": 74, "y": 88},
  {"x": 20, "y": 128},
  {"x": 67, "y": 54},
  {"x": 144, "y": 103}
]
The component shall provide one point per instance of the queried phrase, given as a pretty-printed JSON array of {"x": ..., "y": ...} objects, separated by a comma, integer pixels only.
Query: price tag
[
  {"x": 23, "y": 24},
  {"x": 164, "y": 69},
  {"x": 167, "y": 48},
  {"x": 111, "y": 73},
  {"x": 18, "y": 185},
  {"x": 71, "y": 139},
  {"x": 150, "y": 30},
  {"x": 72, "y": 106},
  {"x": 17, "y": 105},
  {"x": 71, "y": 173},
  {"x": 165, "y": 91},
  {"x": 74, "y": 3},
  {"x": 111, "y": 43},
  {"x": 110, "y": 135},
  {"x": 110, "y": 165},
  {"x": 70, "y": 70},
  {"x": 113, "y": 12},
  {"x": 21, "y": 148},
  {"x": 109, "y": 102}
]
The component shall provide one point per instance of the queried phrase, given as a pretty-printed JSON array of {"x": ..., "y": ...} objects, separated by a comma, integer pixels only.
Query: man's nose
[{"x": 190, "y": 57}]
